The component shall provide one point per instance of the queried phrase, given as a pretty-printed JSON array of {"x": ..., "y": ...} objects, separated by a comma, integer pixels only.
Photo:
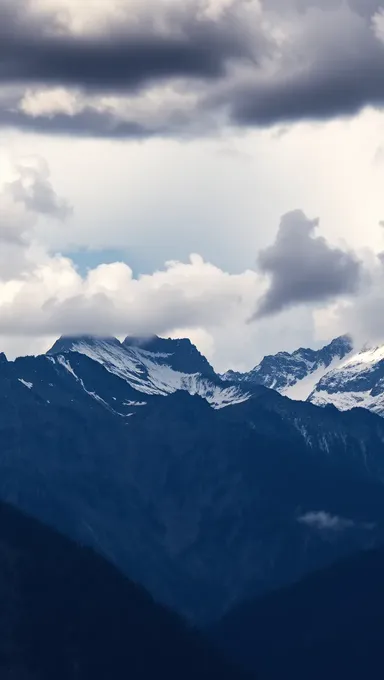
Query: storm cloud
[
  {"x": 304, "y": 268},
  {"x": 251, "y": 64},
  {"x": 86, "y": 123},
  {"x": 335, "y": 68},
  {"x": 36, "y": 48}
]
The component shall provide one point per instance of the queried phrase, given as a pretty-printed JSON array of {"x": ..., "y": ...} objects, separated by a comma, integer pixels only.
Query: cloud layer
[
  {"x": 168, "y": 68},
  {"x": 42, "y": 294}
]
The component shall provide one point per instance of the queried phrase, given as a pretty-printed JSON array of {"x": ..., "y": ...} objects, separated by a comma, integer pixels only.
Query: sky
[{"x": 203, "y": 168}]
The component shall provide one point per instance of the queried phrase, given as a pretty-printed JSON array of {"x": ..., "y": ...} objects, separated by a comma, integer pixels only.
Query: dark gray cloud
[
  {"x": 313, "y": 94},
  {"x": 364, "y": 7},
  {"x": 334, "y": 67},
  {"x": 88, "y": 122},
  {"x": 330, "y": 64},
  {"x": 38, "y": 49},
  {"x": 304, "y": 268}
]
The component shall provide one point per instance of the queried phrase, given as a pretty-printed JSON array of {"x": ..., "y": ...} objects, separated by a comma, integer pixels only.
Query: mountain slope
[
  {"x": 329, "y": 625},
  {"x": 333, "y": 375},
  {"x": 155, "y": 367},
  {"x": 66, "y": 613},
  {"x": 203, "y": 506},
  {"x": 294, "y": 374},
  {"x": 358, "y": 381}
]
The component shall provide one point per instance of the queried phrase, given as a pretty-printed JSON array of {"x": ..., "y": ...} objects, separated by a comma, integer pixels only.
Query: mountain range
[
  {"x": 139, "y": 488},
  {"x": 335, "y": 374},
  {"x": 294, "y": 374},
  {"x": 204, "y": 490}
]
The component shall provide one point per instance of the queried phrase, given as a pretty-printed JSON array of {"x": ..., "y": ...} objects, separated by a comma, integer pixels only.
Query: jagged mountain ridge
[
  {"x": 203, "y": 506},
  {"x": 155, "y": 366},
  {"x": 335, "y": 374},
  {"x": 358, "y": 381},
  {"x": 288, "y": 373}
]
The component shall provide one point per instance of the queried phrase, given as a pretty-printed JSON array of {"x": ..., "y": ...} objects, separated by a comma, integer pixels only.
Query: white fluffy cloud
[
  {"x": 54, "y": 298},
  {"x": 43, "y": 294}
]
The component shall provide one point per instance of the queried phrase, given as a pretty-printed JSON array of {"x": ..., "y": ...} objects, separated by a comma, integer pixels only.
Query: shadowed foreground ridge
[
  {"x": 329, "y": 625},
  {"x": 67, "y": 613}
]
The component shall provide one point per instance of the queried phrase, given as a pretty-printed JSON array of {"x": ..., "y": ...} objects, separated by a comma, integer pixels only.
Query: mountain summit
[
  {"x": 333, "y": 375},
  {"x": 357, "y": 381},
  {"x": 155, "y": 366},
  {"x": 295, "y": 374}
]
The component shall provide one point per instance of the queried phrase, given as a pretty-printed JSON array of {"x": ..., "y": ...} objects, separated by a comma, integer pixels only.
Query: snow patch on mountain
[
  {"x": 26, "y": 383},
  {"x": 295, "y": 374},
  {"x": 357, "y": 382},
  {"x": 345, "y": 401},
  {"x": 300, "y": 390},
  {"x": 364, "y": 359},
  {"x": 151, "y": 373}
]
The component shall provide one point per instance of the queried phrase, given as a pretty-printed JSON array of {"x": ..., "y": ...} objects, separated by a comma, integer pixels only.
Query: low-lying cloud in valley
[{"x": 325, "y": 521}]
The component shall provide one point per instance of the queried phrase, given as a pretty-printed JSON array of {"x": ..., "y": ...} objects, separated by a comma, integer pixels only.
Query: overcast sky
[{"x": 210, "y": 168}]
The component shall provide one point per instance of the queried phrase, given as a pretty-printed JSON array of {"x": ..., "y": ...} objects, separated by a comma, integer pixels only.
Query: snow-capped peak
[
  {"x": 295, "y": 374},
  {"x": 357, "y": 381},
  {"x": 335, "y": 374},
  {"x": 156, "y": 366},
  {"x": 368, "y": 355}
]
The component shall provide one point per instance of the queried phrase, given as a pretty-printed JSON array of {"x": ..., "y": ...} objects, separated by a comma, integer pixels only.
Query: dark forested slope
[{"x": 66, "y": 613}]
